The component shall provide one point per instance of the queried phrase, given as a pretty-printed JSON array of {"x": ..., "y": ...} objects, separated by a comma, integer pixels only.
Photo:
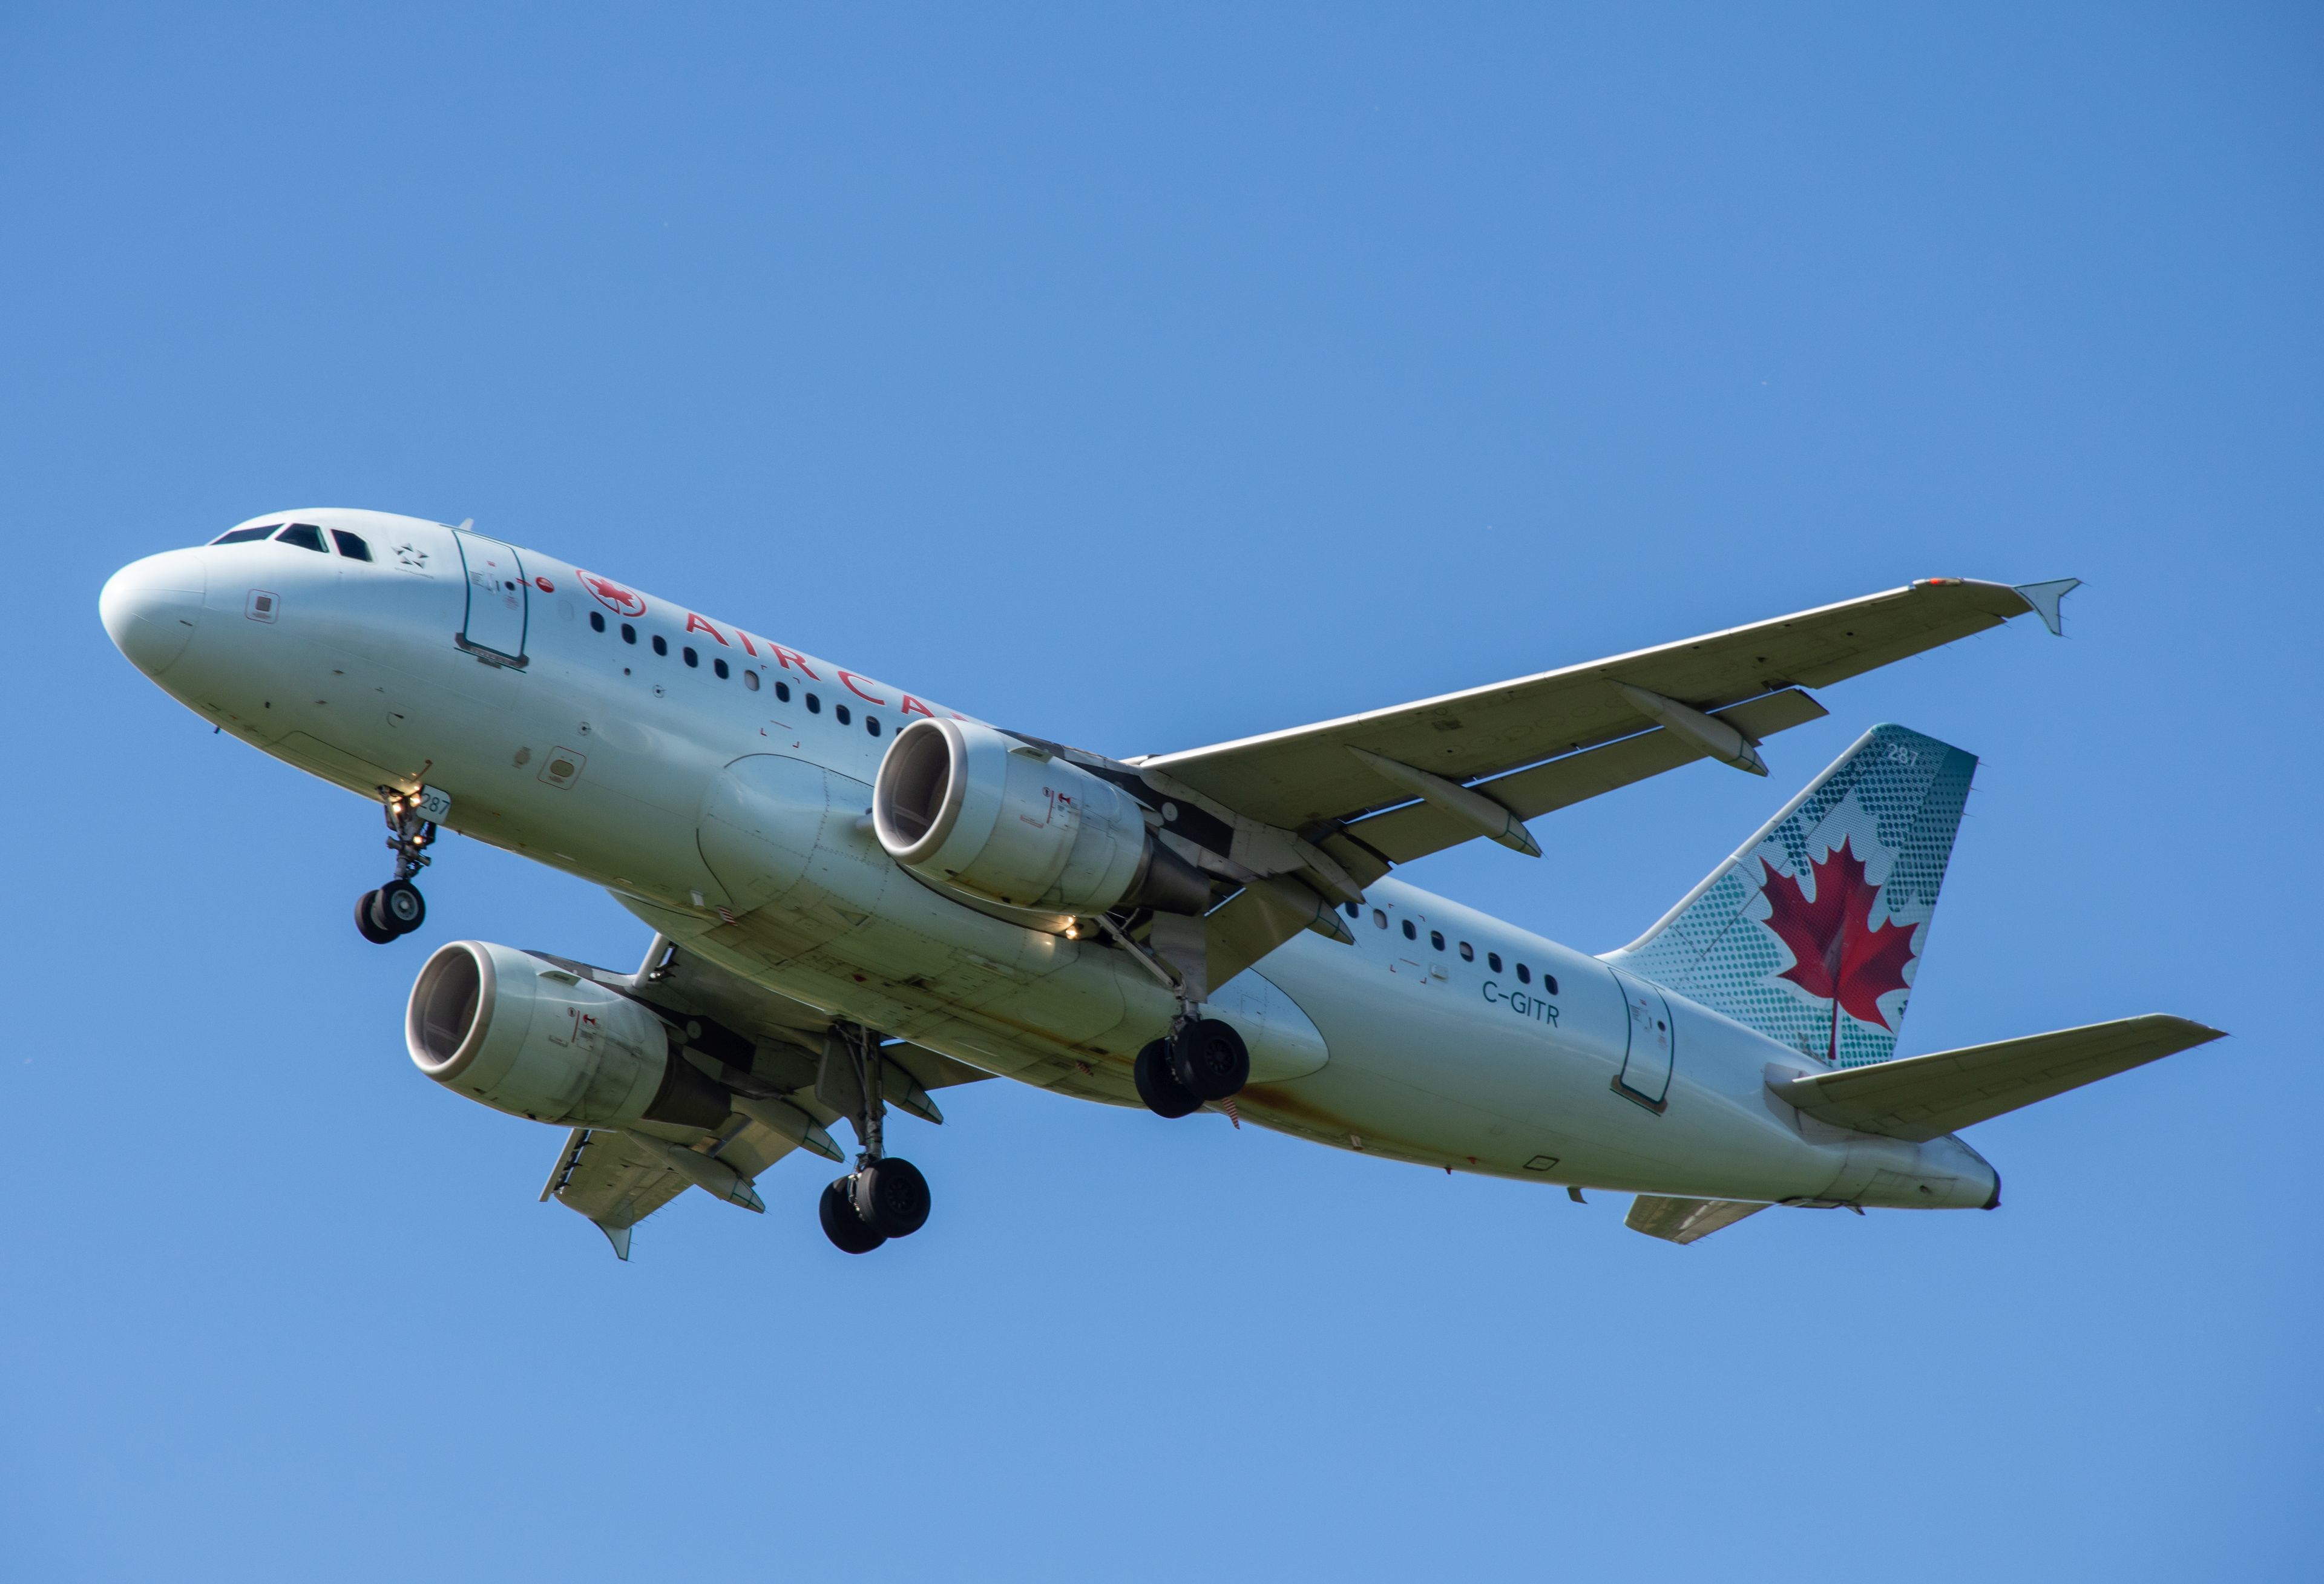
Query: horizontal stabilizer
[
  {"x": 1683, "y": 1221},
  {"x": 1928, "y": 1097}
]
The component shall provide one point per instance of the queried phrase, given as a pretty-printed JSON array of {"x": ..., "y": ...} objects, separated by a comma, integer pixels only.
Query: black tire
[
  {"x": 891, "y": 1197},
  {"x": 365, "y": 926},
  {"x": 1210, "y": 1059},
  {"x": 1158, "y": 1086},
  {"x": 840, "y": 1224},
  {"x": 397, "y": 905}
]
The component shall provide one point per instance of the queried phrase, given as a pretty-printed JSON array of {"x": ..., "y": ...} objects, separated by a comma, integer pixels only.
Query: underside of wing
[
  {"x": 1927, "y": 1097},
  {"x": 1399, "y": 835},
  {"x": 618, "y": 1179},
  {"x": 1307, "y": 779}
]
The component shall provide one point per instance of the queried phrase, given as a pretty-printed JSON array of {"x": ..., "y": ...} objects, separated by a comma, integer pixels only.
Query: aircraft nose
[{"x": 149, "y": 608}]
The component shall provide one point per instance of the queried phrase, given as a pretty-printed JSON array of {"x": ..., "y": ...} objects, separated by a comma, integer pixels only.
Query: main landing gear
[
  {"x": 1202, "y": 1061},
  {"x": 397, "y": 907},
  {"x": 883, "y": 1197}
]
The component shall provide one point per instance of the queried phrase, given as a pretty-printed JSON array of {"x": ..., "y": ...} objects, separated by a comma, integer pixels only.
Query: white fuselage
[{"x": 730, "y": 815}]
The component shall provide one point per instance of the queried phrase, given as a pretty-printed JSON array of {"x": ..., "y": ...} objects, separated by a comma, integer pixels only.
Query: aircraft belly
[
  {"x": 827, "y": 916},
  {"x": 761, "y": 823},
  {"x": 1458, "y": 1081},
  {"x": 1284, "y": 1042}
]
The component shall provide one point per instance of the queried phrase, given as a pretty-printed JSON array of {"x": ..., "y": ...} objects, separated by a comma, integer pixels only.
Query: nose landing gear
[
  {"x": 397, "y": 907},
  {"x": 883, "y": 1197}
]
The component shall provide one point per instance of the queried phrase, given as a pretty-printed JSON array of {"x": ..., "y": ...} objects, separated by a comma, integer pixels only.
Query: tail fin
[{"x": 1812, "y": 933}]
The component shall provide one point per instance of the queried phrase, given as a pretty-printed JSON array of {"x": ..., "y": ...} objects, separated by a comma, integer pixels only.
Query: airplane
[{"x": 860, "y": 896}]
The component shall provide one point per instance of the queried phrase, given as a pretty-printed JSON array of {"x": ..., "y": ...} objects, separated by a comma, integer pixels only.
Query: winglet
[
  {"x": 2042, "y": 599},
  {"x": 619, "y": 1237}
]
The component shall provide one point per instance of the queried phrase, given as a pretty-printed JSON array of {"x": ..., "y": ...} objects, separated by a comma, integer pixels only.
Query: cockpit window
[
  {"x": 305, "y": 535},
  {"x": 243, "y": 536},
  {"x": 350, "y": 546}
]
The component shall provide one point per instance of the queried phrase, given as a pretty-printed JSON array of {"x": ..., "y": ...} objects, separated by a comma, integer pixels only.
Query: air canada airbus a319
[{"x": 861, "y": 895}]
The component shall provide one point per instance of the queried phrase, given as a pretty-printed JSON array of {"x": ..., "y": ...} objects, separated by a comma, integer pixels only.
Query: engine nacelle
[
  {"x": 973, "y": 808},
  {"x": 523, "y": 1035}
]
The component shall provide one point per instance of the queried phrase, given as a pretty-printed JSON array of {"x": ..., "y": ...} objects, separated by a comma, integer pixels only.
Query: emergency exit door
[{"x": 498, "y": 602}]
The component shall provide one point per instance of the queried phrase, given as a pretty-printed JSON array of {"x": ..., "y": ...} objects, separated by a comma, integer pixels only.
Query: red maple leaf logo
[
  {"x": 621, "y": 601},
  {"x": 1838, "y": 953}
]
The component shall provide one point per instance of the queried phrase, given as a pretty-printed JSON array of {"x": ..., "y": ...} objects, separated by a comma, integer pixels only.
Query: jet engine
[
  {"x": 526, "y": 1036},
  {"x": 967, "y": 806}
]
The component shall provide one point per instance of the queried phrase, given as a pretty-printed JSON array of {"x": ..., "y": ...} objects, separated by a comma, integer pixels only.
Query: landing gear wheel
[
  {"x": 1158, "y": 1086},
  {"x": 1209, "y": 1059},
  {"x": 399, "y": 907},
  {"x": 840, "y": 1224},
  {"x": 891, "y": 1197},
  {"x": 364, "y": 925}
]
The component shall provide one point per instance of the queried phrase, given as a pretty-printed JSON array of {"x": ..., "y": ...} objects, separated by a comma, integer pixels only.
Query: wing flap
[
  {"x": 1301, "y": 777},
  {"x": 1403, "y": 834},
  {"x": 1928, "y": 1097},
  {"x": 617, "y": 1182},
  {"x": 1684, "y": 1221}
]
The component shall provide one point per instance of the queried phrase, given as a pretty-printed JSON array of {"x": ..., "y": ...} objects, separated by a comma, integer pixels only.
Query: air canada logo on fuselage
[{"x": 621, "y": 601}]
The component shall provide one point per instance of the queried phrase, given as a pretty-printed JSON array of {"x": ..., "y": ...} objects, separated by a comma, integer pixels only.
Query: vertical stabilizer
[{"x": 1812, "y": 933}]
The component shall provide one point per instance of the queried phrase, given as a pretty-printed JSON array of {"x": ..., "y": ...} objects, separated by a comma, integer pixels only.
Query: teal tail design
[{"x": 1812, "y": 933}]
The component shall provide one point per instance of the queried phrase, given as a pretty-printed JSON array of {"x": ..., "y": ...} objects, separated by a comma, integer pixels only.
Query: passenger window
[
  {"x": 628, "y": 633},
  {"x": 596, "y": 621},
  {"x": 243, "y": 536},
  {"x": 305, "y": 535},
  {"x": 350, "y": 546},
  {"x": 1494, "y": 960},
  {"x": 1525, "y": 974},
  {"x": 691, "y": 657},
  {"x": 814, "y": 704},
  {"x": 717, "y": 665},
  {"x": 661, "y": 644},
  {"x": 1549, "y": 983},
  {"x": 1355, "y": 910},
  {"x": 1436, "y": 939},
  {"x": 1468, "y": 953},
  {"x": 1410, "y": 933},
  {"x": 1379, "y": 919},
  {"x": 871, "y": 724},
  {"x": 782, "y": 690},
  {"x": 749, "y": 680},
  {"x": 841, "y": 710}
]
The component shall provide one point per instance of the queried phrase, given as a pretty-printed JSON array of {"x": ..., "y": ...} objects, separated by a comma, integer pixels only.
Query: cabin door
[{"x": 498, "y": 602}]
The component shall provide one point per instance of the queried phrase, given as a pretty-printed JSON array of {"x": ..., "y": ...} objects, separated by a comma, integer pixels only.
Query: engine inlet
[{"x": 444, "y": 1021}]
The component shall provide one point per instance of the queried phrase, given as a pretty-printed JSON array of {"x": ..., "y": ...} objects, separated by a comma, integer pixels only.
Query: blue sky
[{"x": 1141, "y": 378}]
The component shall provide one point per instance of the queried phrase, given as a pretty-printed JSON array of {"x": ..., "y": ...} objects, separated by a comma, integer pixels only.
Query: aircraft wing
[{"x": 1512, "y": 736}]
